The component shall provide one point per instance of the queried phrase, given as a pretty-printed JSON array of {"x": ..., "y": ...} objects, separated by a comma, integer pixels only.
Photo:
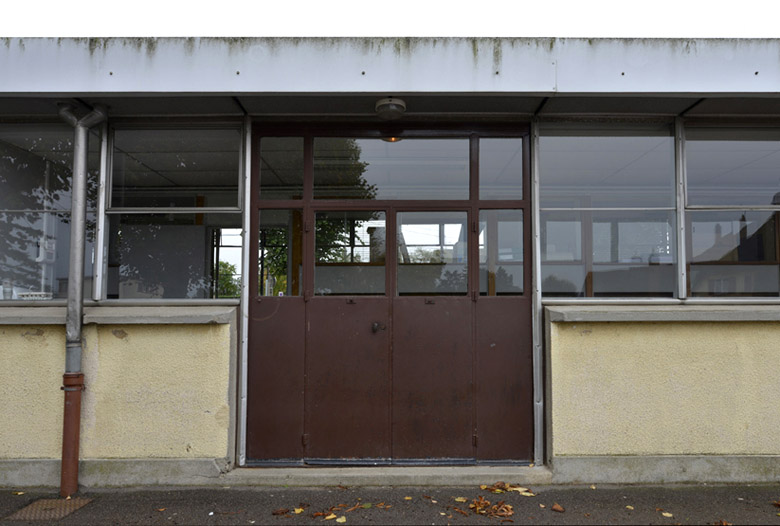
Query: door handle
[{"x": 376, "y": 327}]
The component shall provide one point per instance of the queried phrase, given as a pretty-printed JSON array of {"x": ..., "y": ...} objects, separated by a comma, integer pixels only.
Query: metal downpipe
[{"x": 73, "y": 379}]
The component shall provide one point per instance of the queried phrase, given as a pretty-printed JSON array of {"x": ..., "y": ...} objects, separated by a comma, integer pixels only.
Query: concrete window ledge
[
  {"x": 121, "y": 315},
  {"x": 665, "y": 313}
]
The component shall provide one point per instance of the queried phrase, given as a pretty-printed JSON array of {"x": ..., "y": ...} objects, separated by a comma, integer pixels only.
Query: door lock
[{"x": 376, "y": 327}]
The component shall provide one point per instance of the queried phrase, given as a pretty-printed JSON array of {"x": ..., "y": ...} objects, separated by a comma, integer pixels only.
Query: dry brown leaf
[
  {"x": 341, "y": 519},
  {"x": 161, "y": 509},
  {"x": 298, "y": 511},
  {"x": 461, "y": 511},
  {"x": 319, "y": 514},
  {"x": 17, "y": 493},
  {"x": 586, "y": 514},
  {"x": 775, "y": 502},
  {"x": 527, "y": 494},
  {"x": 479, "y": 505},
  {"x": 557, "y": 507},
  {"x": 723, "y": 522},
  {"x": 353, "y": 508},
  {"x": 427, "y": 497},
  {"x": 461, "y": 499},
  {"x": 667, "y": 515},
  {"x": 330, "y": 517}
]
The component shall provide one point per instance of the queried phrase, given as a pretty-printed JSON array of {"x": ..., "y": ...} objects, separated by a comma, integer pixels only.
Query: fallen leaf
[
  {"x": 330, "y": 517},
  {"x": 18, "y": 493},
  {"x": 542, "y": 506},
  {"x": 723, "y": 522},
  {"x": 527, "y": 494},
  {"x": 668, "y": 515},
  {"x": 479, "y": 505},
  {"x": 341, "y": 519},
  {"x": 427, "y": 497},
  {"x": 461, "y": 511},
  {"x": 629, "y": 507},
  {"x": 435, "y": 501},
  {"x": 592, "y": 486},
  {"x": 775, "y": 502},
  {"x": 407, "y": 498},
  {"x": 280, "y": 511},
  {"x": 366, "y": 505},
  {"x": 461, "y": 499},
  {"x": 442, "y": 513},
  {"x": 557, "y": 507},
  {"x": 483, "y": 486},
  {"x": 161, "y": 509},
  {"x": 298, "y": 511},
  {"x": 586, "y": 514},
  {"x": 353, "y": 508},
  {"x": 531, "y": 465},
  {"x": 319, "y": 514},
  {"x": 67, "y": 498}
]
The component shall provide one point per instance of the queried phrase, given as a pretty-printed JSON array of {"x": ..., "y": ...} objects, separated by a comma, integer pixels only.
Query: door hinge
[
  {"x": 305, "y": 439},
  {"x": 474, "y": 439}
]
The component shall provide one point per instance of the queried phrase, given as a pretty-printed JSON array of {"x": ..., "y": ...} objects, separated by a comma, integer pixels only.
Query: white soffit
[{"x": 534, "y": 66}]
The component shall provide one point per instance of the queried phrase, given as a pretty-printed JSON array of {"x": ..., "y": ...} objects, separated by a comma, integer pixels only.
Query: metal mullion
[
  {"x": 608, "y": 209},
  {"x": 715, "y": 208},
  {"x": 681, "y": 198},
  {"x": 537, "y": 321},
  {"x": 504, "y": 205},
  {"x": 280, "y": 204},
  {"x": 101, "y": 234},
  {"x": 249, "y": 281}
]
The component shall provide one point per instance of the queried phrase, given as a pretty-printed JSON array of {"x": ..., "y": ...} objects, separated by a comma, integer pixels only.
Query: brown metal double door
[{"x": 389, "y": 378}]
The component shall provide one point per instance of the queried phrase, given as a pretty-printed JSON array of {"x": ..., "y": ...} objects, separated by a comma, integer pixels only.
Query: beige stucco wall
[
  {"x": 153, "y": 391},
  {"x": 664, "y": 388}
]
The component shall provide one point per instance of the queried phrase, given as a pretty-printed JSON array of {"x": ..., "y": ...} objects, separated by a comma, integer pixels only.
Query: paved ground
[{"x": 414, "y": 505}]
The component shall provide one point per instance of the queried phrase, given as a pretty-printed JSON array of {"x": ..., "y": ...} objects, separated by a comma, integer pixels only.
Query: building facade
[{"x": 559, "y": 253}]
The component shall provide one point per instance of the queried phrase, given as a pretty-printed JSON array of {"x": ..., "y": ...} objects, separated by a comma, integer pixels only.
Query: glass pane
[
  {"x": 610, "y": 171},
  {"x": 501, "y": 169},
  {"x": 734, "y": 253},
  {"x": 500, "y": 252},
  {"x": 36, "y": 164},
  {"x": 34, "y": 255},
  {"x": 281, "y": 168},
  {"x": 350, "y": 253},
  {"x": 625, "y": 253},
  {"x": 280, "y": 261},
  {"x": 176, "y": 168},
  {"x": 739, "y": 167},
  {"x": 385, "y": 169},
  {"x": 432, "y": 253},
  {"x": 172, "y": 256}
]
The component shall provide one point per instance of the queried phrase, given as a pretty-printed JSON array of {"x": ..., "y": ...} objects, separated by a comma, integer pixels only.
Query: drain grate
[{"x": 48, "y": 509}]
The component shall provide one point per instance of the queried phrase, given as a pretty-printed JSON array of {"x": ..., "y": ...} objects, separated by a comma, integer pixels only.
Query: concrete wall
[
  {"x": 660, "y": 388},
  {"x": 153, "y": 391}
]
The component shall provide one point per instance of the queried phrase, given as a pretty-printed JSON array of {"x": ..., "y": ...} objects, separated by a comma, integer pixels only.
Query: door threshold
[{"x": 393, "y": 475}]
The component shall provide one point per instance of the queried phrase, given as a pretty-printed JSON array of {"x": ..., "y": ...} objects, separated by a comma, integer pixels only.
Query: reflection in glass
[
  {"x": 603, "y": 253},
  {"x": 34, "y": 255},
  {"x": 733, "y": 167},
  {"x": 172, "y": 255},
  {"x": 280, "y": 261},
  {"x": 176, "y": 168},
  {"x": 350, "y": 253},
  {"x": 281, "y": 168},
  {"x": 347, "y": 168},
  {"x": 432, "y": 253},
  {"x": 501, "y": 169},
  {"x": 36, "y": 164},
  {"x": 734, "y": 253},
  {"x": 500, "y": 252},
  {"x": 619, "y": 171}
]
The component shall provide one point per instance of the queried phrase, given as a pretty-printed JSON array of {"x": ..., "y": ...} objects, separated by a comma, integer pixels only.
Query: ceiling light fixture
[{"x": 390, "y": 108}]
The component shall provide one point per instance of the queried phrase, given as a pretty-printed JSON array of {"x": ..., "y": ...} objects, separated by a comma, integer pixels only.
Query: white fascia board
[{"x": 533, "y": 66}]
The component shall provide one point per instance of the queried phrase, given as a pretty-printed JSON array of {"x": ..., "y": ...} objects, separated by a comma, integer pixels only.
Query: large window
[
  {"x": 35, "y": 202},
  {"x": 174, "y": 222},
  {"x": 607, "y": 200},
  {"x": 733, "y": 197}
]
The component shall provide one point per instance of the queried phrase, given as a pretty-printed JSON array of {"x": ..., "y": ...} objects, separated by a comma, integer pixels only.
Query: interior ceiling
[{"x": 418, "y": 106}]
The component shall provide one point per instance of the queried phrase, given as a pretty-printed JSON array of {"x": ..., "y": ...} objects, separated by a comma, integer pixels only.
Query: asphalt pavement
[{"x": 683, "y": 504}]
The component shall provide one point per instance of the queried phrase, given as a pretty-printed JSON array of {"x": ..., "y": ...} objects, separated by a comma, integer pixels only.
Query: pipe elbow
[
  {"x": 66, "y": 113},
  {"x": 96, "y": 116}
]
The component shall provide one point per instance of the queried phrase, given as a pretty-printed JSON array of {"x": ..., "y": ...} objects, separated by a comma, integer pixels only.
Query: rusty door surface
[
  {"x": 433, "y": 406},
  {"x": 348, "y": 379}
]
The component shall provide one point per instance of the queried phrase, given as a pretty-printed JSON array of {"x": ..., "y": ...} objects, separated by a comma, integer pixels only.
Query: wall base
[
  {"x": 666, "y": 469},
  {"x": 115, "y": 472}
]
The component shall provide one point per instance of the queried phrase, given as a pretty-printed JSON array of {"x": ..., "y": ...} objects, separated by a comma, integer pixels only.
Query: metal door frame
[{"x": 308, "y": 205}]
